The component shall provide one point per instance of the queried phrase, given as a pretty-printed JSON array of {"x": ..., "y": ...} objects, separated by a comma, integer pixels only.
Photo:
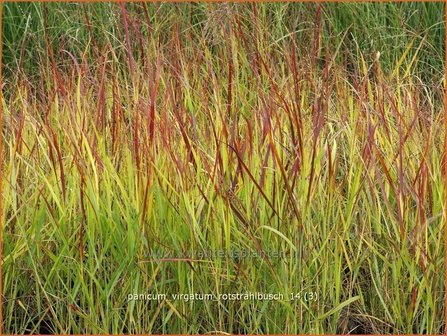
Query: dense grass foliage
[
  {"x": 139, "y": 137},
  {"x": 391, "y": 28}
]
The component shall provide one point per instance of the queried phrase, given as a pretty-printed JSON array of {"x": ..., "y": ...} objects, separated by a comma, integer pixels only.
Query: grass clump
[{"x": 139, "y": 137}]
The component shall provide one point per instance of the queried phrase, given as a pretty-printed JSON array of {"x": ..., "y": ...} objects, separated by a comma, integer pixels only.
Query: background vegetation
[{"x": 137, "y": 131}]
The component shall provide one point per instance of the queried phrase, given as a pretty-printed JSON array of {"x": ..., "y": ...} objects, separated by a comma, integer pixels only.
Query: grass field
[{"x": 290, "y": 149}]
